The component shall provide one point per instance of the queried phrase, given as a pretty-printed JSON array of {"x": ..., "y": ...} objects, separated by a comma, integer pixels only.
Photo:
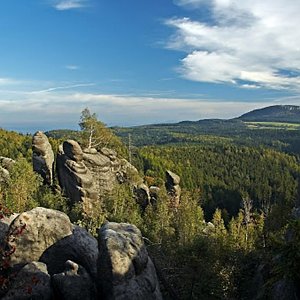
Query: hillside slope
[{"x": 276, "y": 113}]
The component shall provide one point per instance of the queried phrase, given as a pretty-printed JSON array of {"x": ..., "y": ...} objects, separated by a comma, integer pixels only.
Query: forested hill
[
  {"x": 276, "y": 113},
  {"x": 277, "y": 127}
]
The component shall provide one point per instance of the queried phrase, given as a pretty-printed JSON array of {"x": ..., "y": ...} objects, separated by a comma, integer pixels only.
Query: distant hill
[{"x": 276, "y": 113}]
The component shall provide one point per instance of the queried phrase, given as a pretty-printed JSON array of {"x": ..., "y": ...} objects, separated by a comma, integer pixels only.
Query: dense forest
[{"x": 235, "y": 233}]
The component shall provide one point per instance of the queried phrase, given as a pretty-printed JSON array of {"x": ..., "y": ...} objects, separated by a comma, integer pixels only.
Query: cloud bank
[
  {"x": 28, "y": 112},
  {"x": 249, "y": 43}
]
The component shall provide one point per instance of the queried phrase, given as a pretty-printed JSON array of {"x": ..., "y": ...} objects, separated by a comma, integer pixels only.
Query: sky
[{"x": 140, "y": 62}]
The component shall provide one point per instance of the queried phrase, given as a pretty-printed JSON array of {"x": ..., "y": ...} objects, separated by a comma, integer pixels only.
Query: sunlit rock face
[
  {"x": 173, "y": 188},
  {"x": 42, "y": 157},
  {"x": 125, "y": 271},
  {"x": 34, "y": 231}
]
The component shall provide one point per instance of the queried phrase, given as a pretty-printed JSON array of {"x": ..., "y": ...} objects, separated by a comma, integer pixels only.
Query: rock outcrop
[
  {"x": 142, "y": 193},
  {"x": 74, "y": 283},
  {"x": 32, "y": 282},
  {"x": 34, "y": 231},
  {"x": 42, "y": 157},
  {"x": 5, "y": 166},
  {"x": 87, "y": 175},
  {"x": 125, "y": 270},
  {"x": 75, "y": 179},
  {"x": 49, "y": 249},
  {"x": 80, "y": 247},
  {"x": 173, "y": 187}
]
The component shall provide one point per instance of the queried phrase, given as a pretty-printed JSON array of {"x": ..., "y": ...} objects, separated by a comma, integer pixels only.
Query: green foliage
[
  {"x": 48, "y": 198},
  {"x": 158, "y": 219},
  {"x": 22, "y": 187},
  {"x": 224, "y": 173},
  {"x": 94, "y": 134},
  {"x": 14, "y": 145},
  {"x": 121, "y": 206}
]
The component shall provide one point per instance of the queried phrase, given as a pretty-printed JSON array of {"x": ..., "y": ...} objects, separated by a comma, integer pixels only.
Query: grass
[{"x": 273, "y": 125}]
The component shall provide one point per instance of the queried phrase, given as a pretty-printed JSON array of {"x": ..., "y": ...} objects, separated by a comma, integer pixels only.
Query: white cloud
[
  {"x": 248, "y": 43},
  {"x": 72, "y": 67},
  {"x": 69, "y": 4}
]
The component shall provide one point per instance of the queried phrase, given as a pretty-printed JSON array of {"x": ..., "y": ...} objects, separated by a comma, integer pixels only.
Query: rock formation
[
  {"x": 32, "y": 282},
  {"x": 75, "y": 179},
  {"x": 42, "y": 157},
  {"x": 86, "y": 176},
  {"x": 40, "y": 229},
  {"x": 173, "y": 188},
  {"x": 125, "y": 270},
  {"x": 142, "y": 193},
  {"x": 53, "y": 259},
  {"x": 5, "y": 166}
]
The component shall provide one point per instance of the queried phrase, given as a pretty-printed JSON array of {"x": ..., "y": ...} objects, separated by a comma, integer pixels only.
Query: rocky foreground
[{"x": 47, "y": 257}]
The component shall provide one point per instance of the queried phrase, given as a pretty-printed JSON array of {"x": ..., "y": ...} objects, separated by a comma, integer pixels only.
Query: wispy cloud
[
  {"x": 66, "y": 87},
  {"x": 58, "y": 109},
  {"x": 7, "y": 81},
  {"x": 72, "y": 67},
  {"x": 249, "y": 43},
  {"x": 69, "y": 4}
]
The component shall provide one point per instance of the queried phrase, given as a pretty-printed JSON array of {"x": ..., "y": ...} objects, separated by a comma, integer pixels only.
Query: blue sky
[{"x": 139, "y": 61}]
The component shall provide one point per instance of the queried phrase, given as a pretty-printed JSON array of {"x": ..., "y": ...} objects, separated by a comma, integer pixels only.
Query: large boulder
[
  {"x": 173, "y": 188},
  {"x": 5, "y": 166},
  {"x": 34, "y": 231},
  {"x": 42, "y": 157},
  {"x": 80, "y": 247},
  {"x": 74, "y": 283},
  {"x": 32, "y": 282},
  {"x": 125, "y": 270}
]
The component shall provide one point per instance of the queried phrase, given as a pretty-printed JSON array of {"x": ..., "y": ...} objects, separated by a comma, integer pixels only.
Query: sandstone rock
[
  {"x": 6, "y": 162},
  {"x": 172, "y": 178},
  {"x": 73, "y": 150},
  {"x": 74, "y": 283},
  {"x": 142, "y": 195},
  {"x": 4, "y": 226},
  {"x": 124, "y": 269},
  {"x": 42, "y": 157},
  {"x": 173, "y": 188},
  {"x": 32, "y": 282},
  {"x": 5, "y": 166},
  {"x": 40, "y": 228},
  {"x": 75, "y": 179},
  {"x": 80, "y": 247}
]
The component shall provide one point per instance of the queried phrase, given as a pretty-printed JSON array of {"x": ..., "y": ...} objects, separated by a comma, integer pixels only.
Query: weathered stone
[
  {"x": 173, "y": 188},
  {"x": 42, "y": 157},
  {"x": 73, "y": 150},
  {"x": 172, "y": 178},
  {"x": 32, "y": 282},
  {"x": 32, "y": 232},
  {"x": 142, "y": 195},
  {"x": 80, "y": 247},
  {"x": 5, "y": 166},
  {"x": 74, "y": 283},
  {"x": 75, "y": 179},
  {"x": 125, "y": 270},
  {"x": 4, "y": 226},
  {"x": 6, "y": 162}
]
